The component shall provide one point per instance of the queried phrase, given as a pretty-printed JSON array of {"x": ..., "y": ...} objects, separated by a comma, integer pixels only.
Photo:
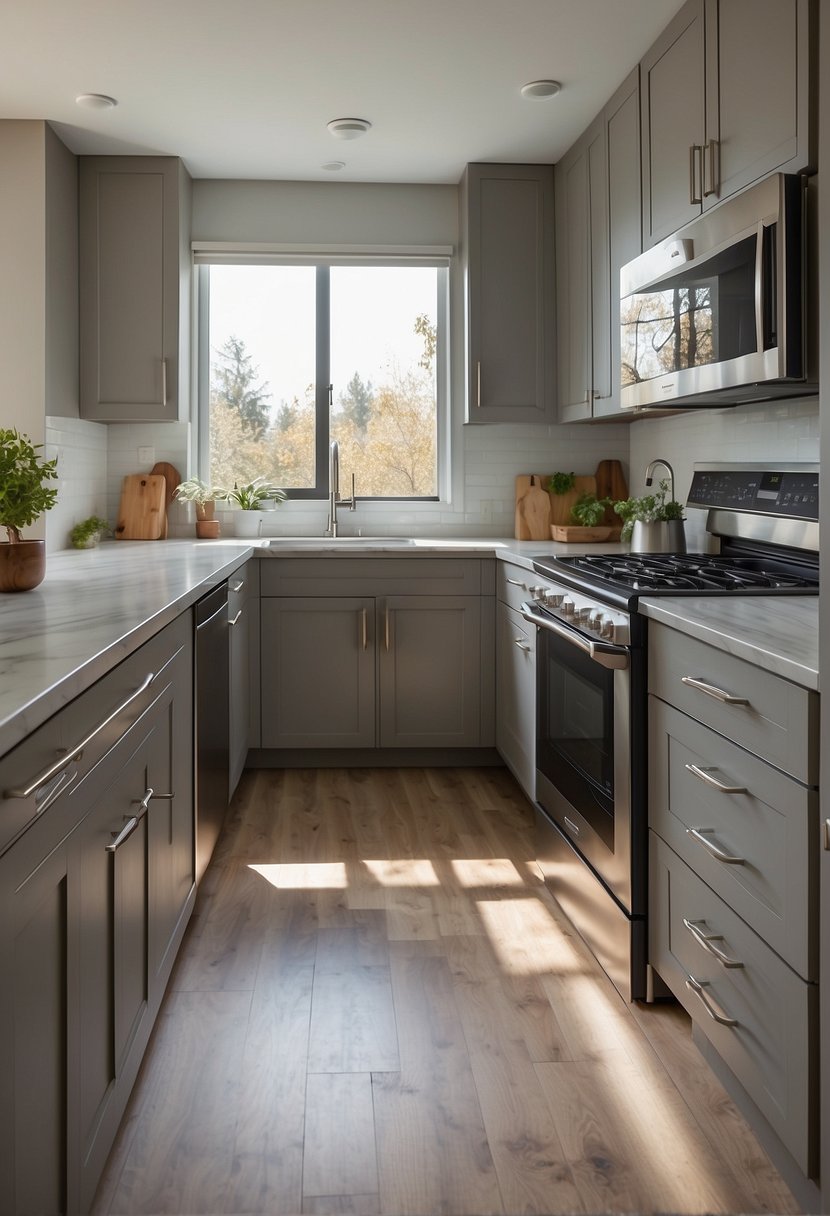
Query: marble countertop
[
  {"x": 95, "y": 607},
  {"x": 778, "y": 633}
]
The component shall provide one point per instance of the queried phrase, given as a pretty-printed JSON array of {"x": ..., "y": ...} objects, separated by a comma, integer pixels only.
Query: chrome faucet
[
  {"x": 669, "y": 469},
  {"x": 335, "y": 500}
]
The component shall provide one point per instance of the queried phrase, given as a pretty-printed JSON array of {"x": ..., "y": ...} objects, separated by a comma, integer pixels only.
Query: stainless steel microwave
[{"x": 717, "y": 314}]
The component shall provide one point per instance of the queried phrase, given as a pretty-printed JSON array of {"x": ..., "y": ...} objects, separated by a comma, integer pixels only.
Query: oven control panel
[
  {"x": 792, "y": 494},
  {"x": 584, "y": 613}
]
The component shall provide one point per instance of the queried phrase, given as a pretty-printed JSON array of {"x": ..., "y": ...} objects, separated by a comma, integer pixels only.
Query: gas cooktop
[{"x": 692, "y": 572}]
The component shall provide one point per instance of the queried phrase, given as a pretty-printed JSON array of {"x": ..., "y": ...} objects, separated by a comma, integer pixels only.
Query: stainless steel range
[{"x": 591, "y": 761}]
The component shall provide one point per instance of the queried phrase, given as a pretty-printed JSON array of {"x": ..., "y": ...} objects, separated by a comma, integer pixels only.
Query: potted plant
[
  {"x": 203, "y": 498},
  {"x": 652, "y": 524},
  {"x": 251, "y": 496},
  {"x": 23, "y": 499},
  {"x": 88, "y": 532}
]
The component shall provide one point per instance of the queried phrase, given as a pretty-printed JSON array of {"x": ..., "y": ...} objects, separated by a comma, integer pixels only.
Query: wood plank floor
[{"x": 378, "y": 1008}]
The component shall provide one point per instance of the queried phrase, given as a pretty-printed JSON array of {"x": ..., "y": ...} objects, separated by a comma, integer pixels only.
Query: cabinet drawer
[
  {"x": 98, "y": 718},
  {"x": 771, "y": 717},
  {"x": 349, "y": 575},
  {"x": 773, "y": 1010},
  {"x": 767, "y": 819},
  {"x": 513, "y": 584}
]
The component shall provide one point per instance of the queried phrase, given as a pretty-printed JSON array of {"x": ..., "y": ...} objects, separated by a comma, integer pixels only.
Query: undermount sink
[{"x": 339, "y": 542}]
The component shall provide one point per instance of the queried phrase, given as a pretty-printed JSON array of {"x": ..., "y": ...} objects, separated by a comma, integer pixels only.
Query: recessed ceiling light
[
  {"x": 348, "y": 128},
  {"x": 334, "y": 166},
  {"x": 96, "y": 101},
  {"x": 541, "y": 88}
]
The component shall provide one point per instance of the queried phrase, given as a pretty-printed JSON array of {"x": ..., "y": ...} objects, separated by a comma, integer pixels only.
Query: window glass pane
[
  {"x": 383, "y": 369},
  {"x": 262, "y": 370}
]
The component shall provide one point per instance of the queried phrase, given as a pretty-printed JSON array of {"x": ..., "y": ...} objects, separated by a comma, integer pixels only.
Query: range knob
[
  {"x": 537, "y": 593},
  {"x": 554, "y": 598},
  {"x": 606, "y": 627},
  {"x": 567, "y": 607},
  {"x": 583, "y": 615}
]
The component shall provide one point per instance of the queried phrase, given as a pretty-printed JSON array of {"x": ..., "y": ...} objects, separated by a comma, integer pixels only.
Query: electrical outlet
[{"x": 147, "y": 456}]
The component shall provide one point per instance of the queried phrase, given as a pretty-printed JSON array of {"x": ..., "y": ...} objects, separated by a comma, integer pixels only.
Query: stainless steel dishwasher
[{"x": 212, "y": 724}]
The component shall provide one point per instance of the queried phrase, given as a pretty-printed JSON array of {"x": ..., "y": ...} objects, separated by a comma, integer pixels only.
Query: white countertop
[
  {"x": 96, "y": 606},
  {"x": 778, "y": 633}
]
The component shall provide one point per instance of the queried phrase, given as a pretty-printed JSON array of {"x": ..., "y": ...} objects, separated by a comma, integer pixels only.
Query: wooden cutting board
[
  {"x": 611, "y": 484},
  {"x": 172, "y": 478},
  {"x": 141, "y": 515},
  {"x": 532, "y": 508},
  {"x": 561, "y": 504}
]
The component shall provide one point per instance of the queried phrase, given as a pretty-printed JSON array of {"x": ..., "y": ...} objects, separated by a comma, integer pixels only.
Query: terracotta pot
[
  {"x": 205, "y": 510},
  {"x": 207, "y": 529},
  {"x": 22, "y": 566}
]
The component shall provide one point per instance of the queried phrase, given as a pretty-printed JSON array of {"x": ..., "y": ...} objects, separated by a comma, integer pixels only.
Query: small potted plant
[
  {"x": 88, "y": 532},
  {"x": 23, "y": 499},
  {"x": 203, "y": 498},
  {"x": 252, "y": 497},
  {"x": 652, "y": 524}
]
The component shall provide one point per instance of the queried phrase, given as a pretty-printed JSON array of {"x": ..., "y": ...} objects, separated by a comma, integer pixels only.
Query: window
[{"x": 294, "y": 355}]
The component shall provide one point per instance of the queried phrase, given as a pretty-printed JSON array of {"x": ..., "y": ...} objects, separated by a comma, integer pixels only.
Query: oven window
[
  {"x": 576, "y": 744},
  {"x": 705, "y": 314}
]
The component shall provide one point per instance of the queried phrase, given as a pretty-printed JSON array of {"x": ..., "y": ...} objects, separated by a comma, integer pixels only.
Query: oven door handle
[{"x": 604, "y": 653}]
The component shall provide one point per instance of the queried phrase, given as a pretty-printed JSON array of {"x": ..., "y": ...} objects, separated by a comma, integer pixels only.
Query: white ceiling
[{"x": 245, "y": 89}]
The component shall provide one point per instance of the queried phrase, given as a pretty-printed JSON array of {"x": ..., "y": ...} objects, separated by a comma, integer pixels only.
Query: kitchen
[{"x": 392, "y": 214}]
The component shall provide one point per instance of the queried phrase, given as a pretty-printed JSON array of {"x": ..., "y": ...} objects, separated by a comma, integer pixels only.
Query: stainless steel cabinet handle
[
  {"x": 364, "y": 629},
  {"x": 827, "y": 834},
  {"x": 237, "y": 587},
  {"x": 706, "y": 941},
  {"x": 236, "y": 618},
  {"x": 711, "y": 690},
  {"x": 164, "y": 382},
  {"x": 599, "y": 396},
  {"x": 522, "y": 644},
  {"x": 727, "y": 859},
  {"x": 695, "y": 158},
  {"x": 478, "y": 384},
  {"x": 570, "y": 825},
  {"x": 514, "y": 582},
  {"x": 703, "y": 775},
  {"x": 77, "y": 751},
  {"x": 386, "y": 626},
  {"x": 713, "y": 151},
  {"x": 717, "y": 1015},
  {"x": 131, "y": 822}
]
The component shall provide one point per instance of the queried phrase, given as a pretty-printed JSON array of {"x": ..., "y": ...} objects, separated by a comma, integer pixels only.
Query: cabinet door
[
  {"x": 129, "y": 288},
  {"x": 33, "y": 999},
  {"x": 516, "y": 696},
  {"x": 624, "y": 218},
  {"x": 573, "y": 270},
  {"x": 239, "y": 622},
  {"x": 430, "y": 671},
  {"x": 318, "y": 672},
  {"x": 757, "y": 82},
  {"x": 672, "y": 78},
  {"x": 507, "y": 218}
]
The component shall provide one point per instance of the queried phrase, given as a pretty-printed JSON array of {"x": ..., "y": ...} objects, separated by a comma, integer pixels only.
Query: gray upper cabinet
[
  {"x": 134, "y": 288},
  {"x": 597, "y": 231},
  {"x": 507, "y": 252},
  {"x": 726, "y": 101}
]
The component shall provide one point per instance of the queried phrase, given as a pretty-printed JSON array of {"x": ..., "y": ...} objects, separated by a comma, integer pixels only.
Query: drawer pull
[
  {"x": 706, "y": 939},
  {"x": 235, "y": 619},
  {"x": 76, "y": 752},
  {"x": 727, "y": 859},
  {"x": 237, "y": 587},
  {"x": 131, "y": 822},
  {"x": 711, "y": 690},
  {"x": 571, "y": 826},
  {"x": 717, "y": 1015},
  {"x": 514, "y": 582},
  {"x": 703, "y": 775},
  {"x": 522, "y": 644}
]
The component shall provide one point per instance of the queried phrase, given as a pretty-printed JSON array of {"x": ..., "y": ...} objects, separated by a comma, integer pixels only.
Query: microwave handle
[{"x": 604, "y": 653}]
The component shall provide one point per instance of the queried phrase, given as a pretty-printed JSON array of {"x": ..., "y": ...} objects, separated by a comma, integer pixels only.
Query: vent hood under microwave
[{"x": 717, "y": 314}]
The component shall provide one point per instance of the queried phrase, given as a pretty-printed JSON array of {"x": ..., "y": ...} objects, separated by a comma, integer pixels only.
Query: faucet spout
[
  {"x": 335, "y": 498},
  {"x": 650, "y": 474}
]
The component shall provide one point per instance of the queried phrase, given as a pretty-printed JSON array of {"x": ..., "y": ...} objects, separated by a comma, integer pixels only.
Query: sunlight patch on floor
[
  {"x": 304, "y": 876},
  {"x": 487, "y": 872},
  {"x": 403, "y": 872},
  {"x": 526, "y": 938}
]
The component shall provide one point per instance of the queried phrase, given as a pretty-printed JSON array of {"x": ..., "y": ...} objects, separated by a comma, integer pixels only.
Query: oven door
[{"x": 583, "y": 778}]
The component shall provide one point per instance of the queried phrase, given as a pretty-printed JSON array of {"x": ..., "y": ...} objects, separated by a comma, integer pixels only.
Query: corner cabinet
[
  {"x": 726, "y": 101},
  {"x": 134, "y": 235},
  {"x": 381, "y": 652},
  {"x": 507, "y": 248},
  {"x": 597, "y": 231},
  {"x": 96, "y": 887}
]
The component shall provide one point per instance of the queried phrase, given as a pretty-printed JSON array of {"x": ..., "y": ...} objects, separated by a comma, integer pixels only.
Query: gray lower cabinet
[
  {"x": 94, "y": 899},
  {"x": 243, "y": 600},
  {"x": 516, "y": 696},
  {"x": 134, "y": 288},
  {"x": 507, "y": 250}
]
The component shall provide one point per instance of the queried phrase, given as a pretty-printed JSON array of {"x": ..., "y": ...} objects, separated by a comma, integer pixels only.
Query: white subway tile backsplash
[{"x": 81, "y": 449}]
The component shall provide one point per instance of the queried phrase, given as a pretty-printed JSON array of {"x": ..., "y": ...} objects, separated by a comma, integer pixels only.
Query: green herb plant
[
  {"x": 560, "y": 483},
  {"x": 651, "y": 508},
  {"x": 23, "y": 495},
  {"x": 250, "y": 494},
  {"x": 195, "y": 490},
  {"x": 589, "y": 510},
  {"x": 83, "y": 532}
]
